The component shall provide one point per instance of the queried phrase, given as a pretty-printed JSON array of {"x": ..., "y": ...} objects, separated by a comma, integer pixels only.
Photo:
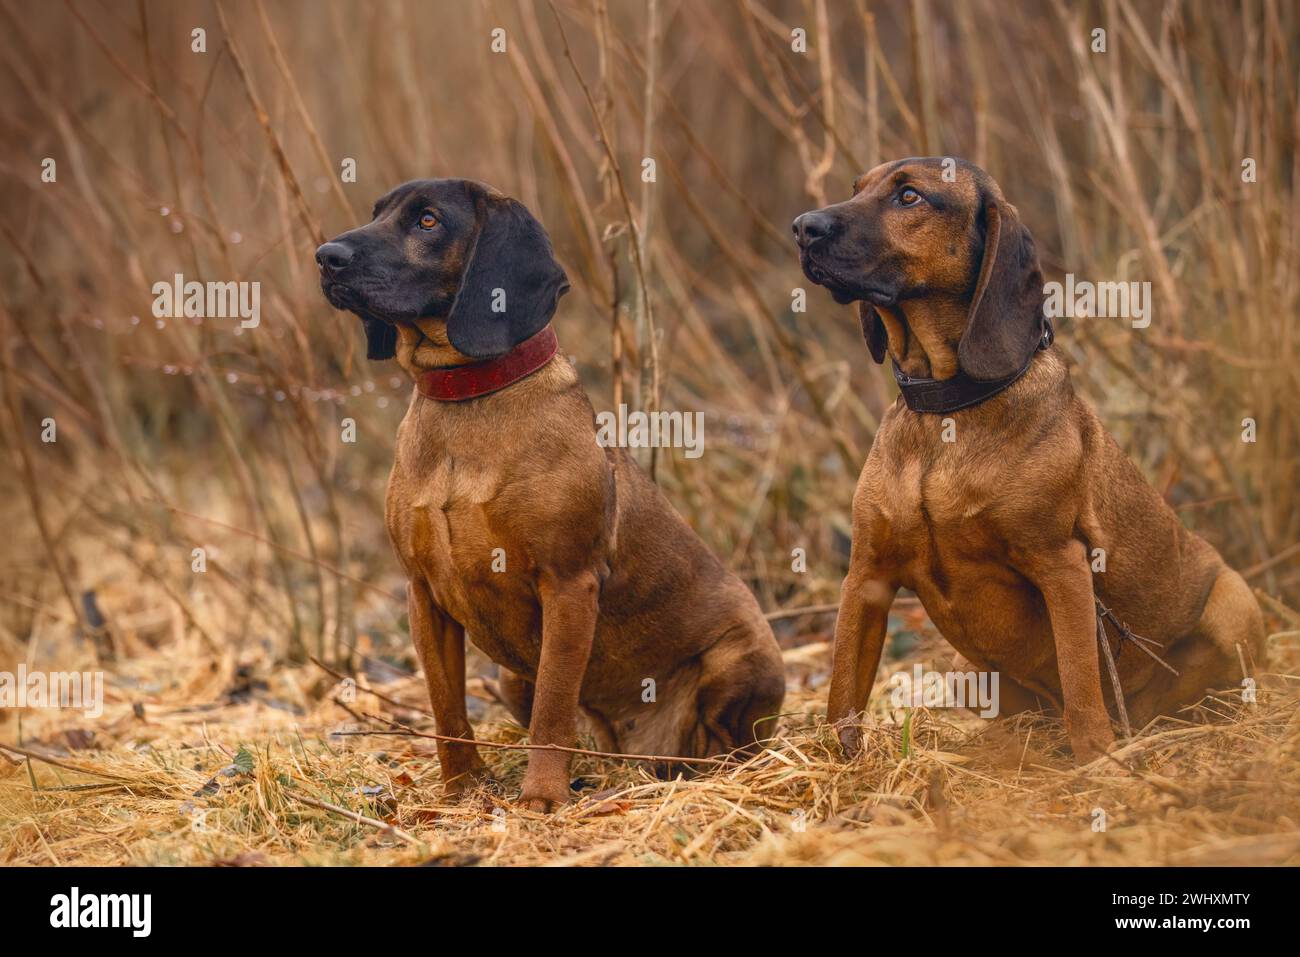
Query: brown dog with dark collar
[
  {"x": 561, "y": 560},
  {"x": 1003, "y": 530}
]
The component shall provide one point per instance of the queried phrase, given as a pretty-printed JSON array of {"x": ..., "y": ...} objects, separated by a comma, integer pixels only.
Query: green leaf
[{"x": 244, "y": 761}]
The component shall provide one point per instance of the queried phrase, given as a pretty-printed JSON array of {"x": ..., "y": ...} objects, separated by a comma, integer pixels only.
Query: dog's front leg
[
  {"x": 569, "y": 608},
  {"x": 440, "y": 644},
  {"x": 865, "y": 598},
  {"x": 1065, "y": 580}
]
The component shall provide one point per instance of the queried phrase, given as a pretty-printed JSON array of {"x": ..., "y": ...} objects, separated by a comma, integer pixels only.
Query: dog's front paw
[
  {"x": 544, "y": 794},
  {"x": 1091, "y": 745},
  {"x": 851, "y": 742},
  {"x": 1088, "y": 754},
  {"x": 848, "y": 731},
  {"x": 540, "y": 805},
  {"x": 545, "y": 797},
  {"x": 543, "y": 803}
]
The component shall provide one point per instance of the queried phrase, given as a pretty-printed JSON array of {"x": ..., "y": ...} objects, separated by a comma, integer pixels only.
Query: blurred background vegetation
[{"x": 225, "y": 165}]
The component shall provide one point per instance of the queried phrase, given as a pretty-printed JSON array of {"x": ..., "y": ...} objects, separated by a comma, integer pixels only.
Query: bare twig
[
  {"x": 354, "y": 816},
  {"x": 47, "y": 759},
  {"x": 1114, "y": 678},
  {"x": 629, "y": 215},
  {"x": 404, "y": 730},
  {"x": 264, "y": 120},
  {"x": 1126, "y": 634},
  {"x": 370, "y": 691}
]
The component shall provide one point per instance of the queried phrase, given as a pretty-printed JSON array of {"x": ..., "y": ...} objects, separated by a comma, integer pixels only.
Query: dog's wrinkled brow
[
  {"x": 896, "y": 174},
  {"x": 388, "y": 200}
]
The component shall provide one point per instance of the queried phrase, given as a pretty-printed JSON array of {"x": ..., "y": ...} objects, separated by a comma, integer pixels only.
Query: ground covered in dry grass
[
  {"x": 238, "y": 763},
  {"x": 179, "y": 435}
]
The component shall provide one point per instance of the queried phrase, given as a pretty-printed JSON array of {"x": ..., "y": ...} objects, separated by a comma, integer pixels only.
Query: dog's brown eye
[
  {"x": 428, "y": 220},
  {"x": 909, "y": 197}
]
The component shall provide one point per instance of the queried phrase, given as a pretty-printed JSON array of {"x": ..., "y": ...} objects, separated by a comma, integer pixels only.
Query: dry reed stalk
[{"x": 651, "y": 335}]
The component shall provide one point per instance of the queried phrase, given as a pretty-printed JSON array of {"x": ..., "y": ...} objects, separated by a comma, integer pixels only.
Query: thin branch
[
  {"x": 405, "y": 731},
  {"x": 629, "y": 214},
  {"x": 264, "y": 120},
  {"x": 354, "y": 816}
]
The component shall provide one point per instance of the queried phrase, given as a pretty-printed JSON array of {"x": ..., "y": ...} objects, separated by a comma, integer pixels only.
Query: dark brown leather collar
[{"x": 939, "y": 396}]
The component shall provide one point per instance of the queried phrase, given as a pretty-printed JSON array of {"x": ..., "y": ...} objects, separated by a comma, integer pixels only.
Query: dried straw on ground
[
  {"x": 209, "y": 764},
  {"x": 176, "y": 435}
]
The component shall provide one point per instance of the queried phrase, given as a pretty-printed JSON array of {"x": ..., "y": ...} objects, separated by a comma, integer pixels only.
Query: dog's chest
[
  {"x": 436, "y": 501},
  {"x": 938, "y": 508},
  {"x": 440, "y": 510},
  {"x": 941, "y": 521}
]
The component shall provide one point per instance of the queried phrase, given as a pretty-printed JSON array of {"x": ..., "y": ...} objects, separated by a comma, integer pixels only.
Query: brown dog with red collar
[
  {"x": 998, "y": 531},
  {"x": 562, "y": 561}
]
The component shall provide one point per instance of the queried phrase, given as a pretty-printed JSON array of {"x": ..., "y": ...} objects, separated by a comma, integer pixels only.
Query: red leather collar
[{"x": 458, "y": 383}]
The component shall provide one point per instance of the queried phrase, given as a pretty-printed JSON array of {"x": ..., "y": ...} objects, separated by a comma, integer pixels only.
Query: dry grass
[
  {"x": 224, "y": 166},
  {"x": 1224, "y": 792},
  {"x": 245, "y": 762}
]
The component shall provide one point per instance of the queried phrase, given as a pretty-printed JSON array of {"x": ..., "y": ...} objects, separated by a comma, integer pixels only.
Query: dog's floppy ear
[
  {"x": 511, "y": 282},
  {"x": 381, "y": 339},
  {"x": 873, "y": 330},
  {"x": 1005, "y": 320}
]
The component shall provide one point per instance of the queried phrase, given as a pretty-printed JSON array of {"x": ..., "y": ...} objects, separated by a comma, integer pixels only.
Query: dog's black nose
[
  {"x": 811, "y": 227},
  {"x": 333, "y": 256}
]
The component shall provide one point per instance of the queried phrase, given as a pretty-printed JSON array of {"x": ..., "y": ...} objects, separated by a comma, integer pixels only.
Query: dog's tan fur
[
  {"x": 605, "y": 587},
  {"x": 996, "y": 531}
]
